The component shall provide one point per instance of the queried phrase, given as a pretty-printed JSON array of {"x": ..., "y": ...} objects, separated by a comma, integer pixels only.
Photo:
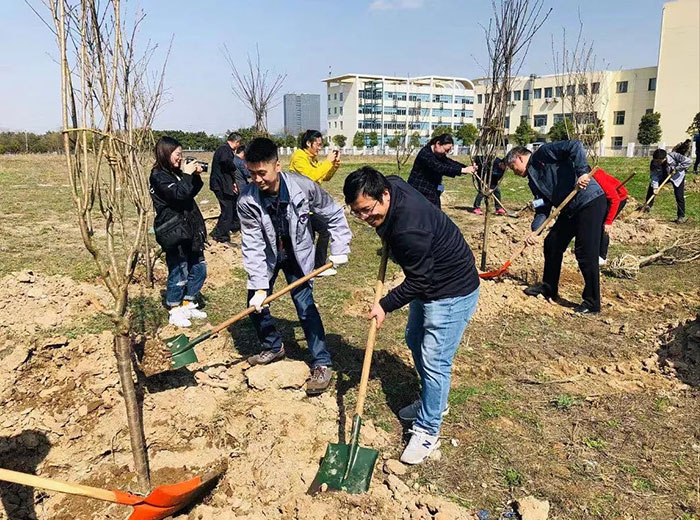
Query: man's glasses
[{"x": 365, "y": 212}]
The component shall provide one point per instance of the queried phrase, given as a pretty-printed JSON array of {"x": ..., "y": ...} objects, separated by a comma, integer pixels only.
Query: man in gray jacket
[
  {"x": 553, "y": 171},
  {"x": 275, "y": 213}
]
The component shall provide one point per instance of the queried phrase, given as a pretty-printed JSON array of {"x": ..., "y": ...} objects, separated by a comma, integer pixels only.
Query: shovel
[
  {"x": 498, "y": 272},
  {"x": 349, "y": 467},
  {"x": 182, "y": 349},
  {"x": 639, "y": 211},
  {"x": 162, "y": 502}
]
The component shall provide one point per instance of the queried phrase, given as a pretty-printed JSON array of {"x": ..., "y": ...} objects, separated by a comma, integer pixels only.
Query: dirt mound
[
  {"x": 679, "y": 354},
  {"x": 45, "y": 301},
  {"x": 362, "y": 298},
  {"x": 640, "y": 231}
]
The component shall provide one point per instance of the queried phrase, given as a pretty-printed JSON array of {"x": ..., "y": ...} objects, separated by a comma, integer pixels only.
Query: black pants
[
  {"x": 605, "y": 238},
  {"x": 697, "y": 158},
  {"x": 586, "y": 225},
  {"x": 323, "y": 238},
  {"x": 480, "y": 196},
  {"x": 228, "y": 219},
  {"x": 678, "y": 192}
]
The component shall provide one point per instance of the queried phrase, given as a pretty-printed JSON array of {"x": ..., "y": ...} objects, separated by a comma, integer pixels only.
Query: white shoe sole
[
  {"x": 329, "y": 272},
  {"x": 413, "y": 462}
]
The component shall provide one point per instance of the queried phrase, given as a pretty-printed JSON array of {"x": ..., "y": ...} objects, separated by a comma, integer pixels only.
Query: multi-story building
[
  {"x": 302, "y": 112},
  {"x": 389, "y": 105},
  {"x": 618, "y": 100}
]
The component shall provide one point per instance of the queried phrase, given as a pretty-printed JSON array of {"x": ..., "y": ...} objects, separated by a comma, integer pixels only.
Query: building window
[
  {"x": 570, "y": 90},
  {"x": 523, "y": 118},
  {"x": 329, "y": 97},
  {"x": 335, "y": 110},
  {"x": 341, "y": 125},
  {"x": 620, "y": 117},
  {"x": 507, "y": 125},
  {"x": 335, "y": 124},
  {"x": 341, "y": 111},
  {"x": 341, "y": 96},
  {"x": 329, "y": 124},
  {"x": 621, "y": 87},
  {"x": 559, "y": 91},
  {"x": 478, "y": 121},
  {"x": 487, "y": 97},
  {"x": 558, "y": 118},
  {"x": 617, "y": 142},
  {"x": 548, "y": 92},
  {"x": 526, "y": 95},
  {"x": 516, "y": 95},
  {"x": 538, "y": 93},
  {"x": 582, "y": 89},
  {"x": 329, "y": 110},
  {"x": 649, "y": 111},
  {"x": 479, "y": 98},
  {"x": 595, "y": 87},
  {"x": 335, "y": 96},
  {"x": 540, "y": 120},
  {"x": 652, "y": 83}
]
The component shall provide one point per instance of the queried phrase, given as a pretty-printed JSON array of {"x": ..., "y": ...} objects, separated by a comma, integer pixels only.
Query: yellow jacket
[{"x": 302, "y": 162}]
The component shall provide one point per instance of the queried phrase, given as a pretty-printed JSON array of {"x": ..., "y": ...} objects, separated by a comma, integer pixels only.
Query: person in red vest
[{"x": 616, "y": 196}]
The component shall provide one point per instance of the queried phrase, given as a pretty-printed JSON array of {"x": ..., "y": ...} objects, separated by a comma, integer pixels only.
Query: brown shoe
[
  {"x": 320, "y": 380},
  {"x": 266, "y": 356}
]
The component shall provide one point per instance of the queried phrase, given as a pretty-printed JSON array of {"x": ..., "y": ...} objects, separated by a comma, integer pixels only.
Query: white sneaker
[
  {"x": 410, "y": 412},
  {"x": 192, "y": 311},
  {"x": 602, "y": 261},
  {"x": 419, "y": 447},
  {"x": 178, "y": 317},
  {"x": 329, "y": 272}
]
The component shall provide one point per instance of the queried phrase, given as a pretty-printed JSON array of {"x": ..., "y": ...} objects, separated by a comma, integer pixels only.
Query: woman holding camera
[{"x": 179, "y": 228}]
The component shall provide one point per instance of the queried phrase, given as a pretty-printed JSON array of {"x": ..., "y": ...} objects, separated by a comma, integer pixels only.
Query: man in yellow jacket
[{"x": 305, "y": 161}]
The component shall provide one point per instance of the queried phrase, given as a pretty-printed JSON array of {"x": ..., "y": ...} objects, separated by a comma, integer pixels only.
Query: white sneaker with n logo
[{"x": 420, "y": 446}]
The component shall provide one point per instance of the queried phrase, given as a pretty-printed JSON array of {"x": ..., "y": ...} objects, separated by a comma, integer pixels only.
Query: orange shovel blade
[{"x": 496, "y": 272}]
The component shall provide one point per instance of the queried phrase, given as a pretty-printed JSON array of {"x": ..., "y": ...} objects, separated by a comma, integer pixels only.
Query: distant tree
[
  {"x": 324, "y": 143},
  {"x": 404, "y": 146},
  {"x": 649, "y": 129},
  {"x": 468, "y": 134},
  {"x": 694, "y": 127},
  {"x": 373, "y": 138},
  {"x": 358, "y": 140},
  {"x": 524, "y": 134},
  {"x": 561, "y": 130},
  {"x": 290, "y": 141},
  {"x": 442, "y": 129},
  {"x": 339, "y": 140}
]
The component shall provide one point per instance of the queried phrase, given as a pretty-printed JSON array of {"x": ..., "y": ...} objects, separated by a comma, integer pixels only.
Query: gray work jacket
[{"x": 259, "y": 239}]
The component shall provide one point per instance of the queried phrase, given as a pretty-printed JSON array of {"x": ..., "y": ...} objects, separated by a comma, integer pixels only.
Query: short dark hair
[
  {"x": 163, "y": 150},
  {"x": 234, "y": 136},
  {"x": 659, "y": 154},
  {"x": 365, "y": 181},
  {"x": 261, "y": 149},
  {"x": 515, "y": 152},
  {"x": 240, "y": 149},
  {"x": 442, "y": 139},
  {"x": 309, "y": 135}
]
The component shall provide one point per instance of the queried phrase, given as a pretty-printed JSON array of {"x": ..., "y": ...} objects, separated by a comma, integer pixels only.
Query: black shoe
[
  {"x": 681, "y": 220},
  {"x": 540, "y": 288},
  {"x": 585, "y": 309},
  {"x": 266, "y": 357}
]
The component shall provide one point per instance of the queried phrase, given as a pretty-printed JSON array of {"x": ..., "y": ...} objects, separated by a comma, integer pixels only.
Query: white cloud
[{"x": 385, "y": 5}]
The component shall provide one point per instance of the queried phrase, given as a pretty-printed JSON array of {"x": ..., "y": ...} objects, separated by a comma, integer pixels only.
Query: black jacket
[
  {"x": 223, "y": 170},
  {"x": 428, "y": 169},
  {"x": 428, "y": 246},
  {"x": 171, "y": 194}
]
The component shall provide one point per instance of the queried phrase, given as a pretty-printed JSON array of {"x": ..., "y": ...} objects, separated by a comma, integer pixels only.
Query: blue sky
[{"x": 306, "y": 39}]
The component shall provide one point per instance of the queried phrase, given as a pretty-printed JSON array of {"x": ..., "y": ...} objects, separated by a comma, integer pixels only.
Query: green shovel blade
[
  {"x": 335, "y": 463},
  {"x": 182, "y": 350}
]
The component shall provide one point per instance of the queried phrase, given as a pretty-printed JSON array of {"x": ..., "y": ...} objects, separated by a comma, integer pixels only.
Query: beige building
[
  {"x": 619, "y": 99},
  {"x": 671, "y": 88},
  {"x": 678, "y": 77}
]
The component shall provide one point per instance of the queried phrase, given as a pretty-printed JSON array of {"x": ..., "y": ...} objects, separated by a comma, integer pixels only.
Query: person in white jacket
[
  {"x": 661, "y": 166},
  {"x": 276, "y": 234}
]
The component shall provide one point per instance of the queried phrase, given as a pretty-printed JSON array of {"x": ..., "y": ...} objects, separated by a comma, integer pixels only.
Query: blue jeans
[
  {"x": 186, "y": 274},
  {"x": 433, "y": 333},
  {"x": 307, "y": 312}
]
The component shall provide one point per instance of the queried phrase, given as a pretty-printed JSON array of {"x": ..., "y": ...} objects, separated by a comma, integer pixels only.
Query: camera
[{"x": 204, "y": 165}]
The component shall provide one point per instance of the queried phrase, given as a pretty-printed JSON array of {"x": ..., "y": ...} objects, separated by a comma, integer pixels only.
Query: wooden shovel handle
[
  {"x": 26, "y": 479},
  {"x": 272, "y": 297},
  {"x": 626, "y": 180},
  {"x": 660, "y": 186},
  {"x": 372, "y": 336}
]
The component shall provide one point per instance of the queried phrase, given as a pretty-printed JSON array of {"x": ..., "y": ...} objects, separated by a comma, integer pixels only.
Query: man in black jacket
[
  {"x": 441, "y": 287},
  {"x": 554, "y": 171},
  {"x": 223, "y": 183}
]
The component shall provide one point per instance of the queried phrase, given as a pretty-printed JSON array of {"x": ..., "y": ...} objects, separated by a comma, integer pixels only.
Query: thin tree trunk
[
  {"x": 147, "y": 250},
  {"x": 487, "y": 224},
  {"x": 122, "y": 350}
]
